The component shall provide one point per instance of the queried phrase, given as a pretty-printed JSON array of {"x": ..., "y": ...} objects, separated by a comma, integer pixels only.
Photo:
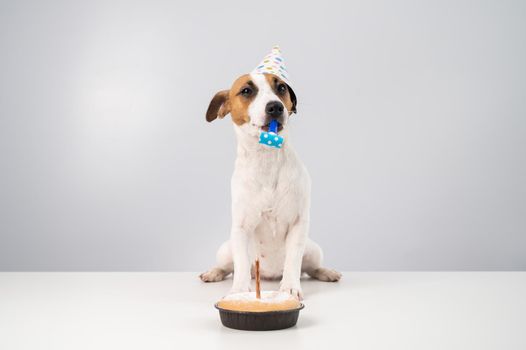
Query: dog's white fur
[{"x": 270, "y": 210}]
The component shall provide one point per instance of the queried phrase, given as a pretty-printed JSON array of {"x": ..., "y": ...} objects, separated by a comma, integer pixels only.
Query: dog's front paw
[
  {"x": 214, "y": 275},
  {"x": 240, "y": 286},
  {"x": 239, "y": 290},
  {"x": 293, "y": 289},
  {"x": 326, "y": 275}
]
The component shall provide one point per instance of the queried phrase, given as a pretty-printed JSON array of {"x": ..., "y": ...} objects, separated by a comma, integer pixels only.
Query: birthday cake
[{"x": 269, "y": 301}]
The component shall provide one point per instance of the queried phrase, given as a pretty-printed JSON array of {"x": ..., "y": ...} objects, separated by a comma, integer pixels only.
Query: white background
[{"x": 412, "y": 122}]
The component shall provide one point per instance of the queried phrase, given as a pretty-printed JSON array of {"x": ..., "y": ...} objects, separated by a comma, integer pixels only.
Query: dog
[{"x": 271, "y": 192}]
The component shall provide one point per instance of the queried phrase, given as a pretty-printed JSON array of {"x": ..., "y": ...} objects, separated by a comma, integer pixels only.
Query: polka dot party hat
[{"x": 273, "y": 63}]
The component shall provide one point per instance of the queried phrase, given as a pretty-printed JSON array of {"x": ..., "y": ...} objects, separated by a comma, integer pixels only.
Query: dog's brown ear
[
  {"x": 219, "y": 106},
  {"x": 293, "y": 99}
]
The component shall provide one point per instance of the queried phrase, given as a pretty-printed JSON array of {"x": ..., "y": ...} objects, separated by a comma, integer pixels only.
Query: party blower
[{"x": 271, "y": 138}]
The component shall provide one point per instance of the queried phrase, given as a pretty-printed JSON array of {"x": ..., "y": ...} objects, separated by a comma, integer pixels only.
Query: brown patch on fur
[
  {"x": 219, "y": 106},
  {"x": 288, "y": 98},
  {"x": 233, "y": 102},
  {"x": 240, "y": 103}
]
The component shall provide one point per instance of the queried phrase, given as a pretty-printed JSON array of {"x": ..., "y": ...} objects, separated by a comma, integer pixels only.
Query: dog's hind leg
[
  {"x": 311, "y": 264},
  {"x": 224, "y": 267}
]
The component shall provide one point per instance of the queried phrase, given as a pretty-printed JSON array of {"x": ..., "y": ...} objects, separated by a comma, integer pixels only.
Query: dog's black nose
[{"x": 274, "y": 109}]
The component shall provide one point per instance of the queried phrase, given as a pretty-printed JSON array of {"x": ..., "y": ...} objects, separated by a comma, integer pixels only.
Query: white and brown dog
[{"x": 270, "y": 192}]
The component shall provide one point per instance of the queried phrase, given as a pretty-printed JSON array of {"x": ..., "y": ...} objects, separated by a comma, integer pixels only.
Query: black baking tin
[{"x": 259, "y": 321}]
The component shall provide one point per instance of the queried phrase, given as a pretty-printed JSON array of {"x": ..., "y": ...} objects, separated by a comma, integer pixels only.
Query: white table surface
[{"x": 365, "y": 310}]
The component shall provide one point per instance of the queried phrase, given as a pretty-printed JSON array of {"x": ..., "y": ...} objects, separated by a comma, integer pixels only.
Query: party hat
[{"x": 273, "y": 63}]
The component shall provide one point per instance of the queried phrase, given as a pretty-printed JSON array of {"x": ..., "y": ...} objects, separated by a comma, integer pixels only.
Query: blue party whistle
[{"x": 271, "y": 138}]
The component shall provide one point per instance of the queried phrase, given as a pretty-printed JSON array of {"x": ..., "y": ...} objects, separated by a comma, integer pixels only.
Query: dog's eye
[
  {"x": 282, "y": 88},
  {"x": 246, "y": 92}
]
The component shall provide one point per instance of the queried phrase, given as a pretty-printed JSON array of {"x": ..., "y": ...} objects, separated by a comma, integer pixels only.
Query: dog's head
[{"x": 253, "y": 101}]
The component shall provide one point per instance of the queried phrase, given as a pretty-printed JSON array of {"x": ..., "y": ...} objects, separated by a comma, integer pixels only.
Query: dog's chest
[
  {"x": 272, "y": 183},
  {"x": 277, "y": 199},
  {"x": 270, "y": 187}
]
